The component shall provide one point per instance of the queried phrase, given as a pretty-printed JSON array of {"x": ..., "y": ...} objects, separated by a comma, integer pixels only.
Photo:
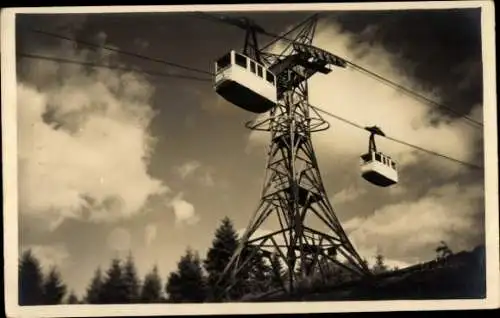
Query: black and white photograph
[{"x": 249, "y": 158}]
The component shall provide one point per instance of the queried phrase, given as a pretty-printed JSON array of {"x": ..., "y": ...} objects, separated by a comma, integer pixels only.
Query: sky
[{"x": 112, "y": 162}]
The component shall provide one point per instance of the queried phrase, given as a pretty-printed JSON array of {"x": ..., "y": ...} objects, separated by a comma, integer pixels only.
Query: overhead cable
[
  {"x": 206, "y": 79},
  {"x": 381, "y": 78},
  {"x": 126, "y": 69},
  {"x": 471, "y": 165},
  {"x": 162, "y": 61}
]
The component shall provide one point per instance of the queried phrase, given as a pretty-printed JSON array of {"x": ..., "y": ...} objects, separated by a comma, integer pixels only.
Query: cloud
[
  {"x": 262, "y": 232},
  {"x": 397, "y": 190},
  {"x": 84, "y": 144},
  {"x": 50, "y": 255},
  {"x": 280, "y": 240},
  {"x": 354, "y": 96},
  {"x": 184, "y": 211},
  {"x": 150, "y": 234},
  {"x": 391, "y": 263},
  {"x": 452, "y": 213},
  {"x": 348, "y": 194},
  {"x": 66, "y": 25},
  {"x": 259, "y": 232},
  {"x": 216, "y": 105},
  {"x": 371, "y": 258},
  {"x": 208, "y": 179},
  {"x": 119, "y": 239},
  {"x": 188, "y": 168},
  {"x": 193, "y": 168},
  {"x": 413, "y": 227}
]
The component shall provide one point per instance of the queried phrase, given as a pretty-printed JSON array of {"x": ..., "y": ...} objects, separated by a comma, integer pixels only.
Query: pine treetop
[
  {"x": 53, "y": 274},
  {"x": 226, "y": 231},
  {"x": 93, "y": 292},
  {"x": 53, "y": 287},
  {"x": 72, "y": 298},
  {"x": 30, "y": 280},
  {"x": 151, "y": 289},
  {"x": 131, "y": 279},
  {"x": 187, "y": 284},
  {"x": 224, "y": 244}
]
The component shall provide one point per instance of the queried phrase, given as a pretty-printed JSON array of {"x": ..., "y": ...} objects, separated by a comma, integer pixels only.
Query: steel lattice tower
[{"x": 293, "y": 196}]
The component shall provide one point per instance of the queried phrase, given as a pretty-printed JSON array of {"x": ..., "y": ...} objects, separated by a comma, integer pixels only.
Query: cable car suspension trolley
[
  {"x": 242, "y": 78},
  {"x": 376, "y": 167}
]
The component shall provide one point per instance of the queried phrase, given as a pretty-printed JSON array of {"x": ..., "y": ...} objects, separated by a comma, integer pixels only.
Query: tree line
[{"x": 194, "y": 280}]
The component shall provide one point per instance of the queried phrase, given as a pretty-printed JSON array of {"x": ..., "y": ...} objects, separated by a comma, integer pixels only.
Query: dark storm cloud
[
  {"x": 441, "y": 51},
  {"x": 65, "y": 25},
  {"x": 440, "y": 48}
]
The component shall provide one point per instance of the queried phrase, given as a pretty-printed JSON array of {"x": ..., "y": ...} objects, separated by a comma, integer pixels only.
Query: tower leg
[{"x": 304, "y": 231}]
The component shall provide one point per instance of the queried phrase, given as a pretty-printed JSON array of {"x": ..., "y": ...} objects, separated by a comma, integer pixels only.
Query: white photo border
[{"x": 9, "y": 156}]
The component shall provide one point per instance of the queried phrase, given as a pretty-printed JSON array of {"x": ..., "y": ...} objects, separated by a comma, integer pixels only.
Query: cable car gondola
[
  {"x": 245, "y": 83},
  {"x": 376, "y": 167}
]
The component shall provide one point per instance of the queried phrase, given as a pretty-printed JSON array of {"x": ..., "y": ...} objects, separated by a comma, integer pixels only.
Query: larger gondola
[{"x": 245, "y": 83}]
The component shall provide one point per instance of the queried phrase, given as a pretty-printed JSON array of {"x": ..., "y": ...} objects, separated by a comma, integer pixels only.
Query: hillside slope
[{"x": 461, "y": 275}]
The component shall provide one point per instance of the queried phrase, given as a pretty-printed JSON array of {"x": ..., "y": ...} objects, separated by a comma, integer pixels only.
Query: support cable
[{"x": 314, "y": 107}]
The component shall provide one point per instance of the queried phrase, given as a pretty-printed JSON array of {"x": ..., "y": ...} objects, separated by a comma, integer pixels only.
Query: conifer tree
[
  {"x": 114, "y": 290},
  {"x": 443, "y": 251},
  {"x": 131, "y": 280},
  {"x": 72, "y": 299},
  {"x": 365, "y": 262},
  {"x": 223, "y": 246},
  {"x": 379, "y": 266},
  {"x": 259, "y": 274},
  {"x": 188, "y": 283},
  {"x": 277, "y": 271},
  {"x": 151, "y": 289},
  {"x": 30, "y": 280},
  {"x": 53, "y": 288},
  {"x": 94, "y": 290}
]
